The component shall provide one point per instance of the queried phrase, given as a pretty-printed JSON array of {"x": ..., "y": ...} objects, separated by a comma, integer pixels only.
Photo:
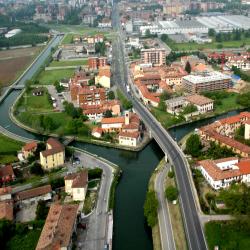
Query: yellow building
[
  {"x": 103, "y": 77},
  {"x": 53, "y": 156}
]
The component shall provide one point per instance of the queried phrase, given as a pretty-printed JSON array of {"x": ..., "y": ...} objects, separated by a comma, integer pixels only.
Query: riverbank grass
[
  {"x": 8, "y": 149},
  {"x": 176, "y": 220},
  {"x": 48, "y": 77},
  {"x": 227, "y": 235}
]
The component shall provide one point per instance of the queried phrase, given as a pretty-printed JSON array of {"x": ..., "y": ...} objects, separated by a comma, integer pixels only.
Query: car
[{"x": 82, "y": 225}]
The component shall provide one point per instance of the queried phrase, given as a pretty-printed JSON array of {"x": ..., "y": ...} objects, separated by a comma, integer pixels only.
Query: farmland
[{"x": 14, "y": 62}]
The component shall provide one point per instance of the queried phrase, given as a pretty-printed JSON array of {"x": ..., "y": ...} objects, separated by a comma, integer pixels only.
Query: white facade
[
  {"x": 79, "y": 194},
  {"x": 205, "y": 108},
  {"x": 111, "y": 126},
  {"x": 128, "y": 141}
]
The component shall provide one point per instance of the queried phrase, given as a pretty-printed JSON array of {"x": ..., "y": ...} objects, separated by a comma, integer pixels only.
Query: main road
[{"x": 193, "y": 228}]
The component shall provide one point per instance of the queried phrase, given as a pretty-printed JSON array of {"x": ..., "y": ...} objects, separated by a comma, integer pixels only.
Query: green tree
[
  {"x": 171, "y": 174},
  {"x": 150, "y": 208},
  {"x": 111, "y": 95},
  {"x": 193, "y": 145},
  {"x": 107, "y": 113},
  {"x": 36, "y": 169},
  {"x": 171, "y": 193},
  {"x": 41, "y": 210},
  {"x": 190, "y": 108},
  {"x": 211, "y": 32},
  {"x": 188, "y": 67}
]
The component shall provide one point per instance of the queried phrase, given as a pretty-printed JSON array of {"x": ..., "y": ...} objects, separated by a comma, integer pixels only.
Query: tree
[
  {"x": 171, "y": 174},
  {"x": 190, "y": 108},
  {"x": 211, "y": 32},
  {"x": 41, "y": 210},
  {"x": 193, "y": 145},
  {"x": 150, "y": 208},
  {"x": 36, "y": 169},
  {"x": 165, "y": 95},
  {"x": 171, "y": 193},
  {"x": 58, "y": 87},
  {"x": 188, "y": 67},
  {"x": 111, "y": 95},
  {"x": 107, "y": 113}
]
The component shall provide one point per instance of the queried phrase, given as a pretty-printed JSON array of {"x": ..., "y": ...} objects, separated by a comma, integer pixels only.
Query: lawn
[
  {"x": 50, "y": 76},
  {"x": 8, "y": 149},
  {"x": 213, "y": 45},
  {"x": 68, "y": 38},
  {"x": 166, "y": 119},
  {"x": 227, "y": 235},
  {"x": 228, "y": 103},
  {"x": 37, "y": 103},
  {"x": 68, "y": 63}
]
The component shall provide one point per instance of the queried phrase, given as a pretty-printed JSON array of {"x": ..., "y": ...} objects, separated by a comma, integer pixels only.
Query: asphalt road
[
  {"x": 194, "y": 231},
  {"x": 165, "y": 225}
]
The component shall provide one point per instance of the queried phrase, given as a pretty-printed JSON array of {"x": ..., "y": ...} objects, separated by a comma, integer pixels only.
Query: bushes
[
  {"x": 171, "y": 193},
  {"x": 125, "y": 102},
  {"x": 36, "y": 169},
  {"x": 94, "y": 173},
  {"x": 150, "y": 208},
  {"x": 193, "y": 145}
]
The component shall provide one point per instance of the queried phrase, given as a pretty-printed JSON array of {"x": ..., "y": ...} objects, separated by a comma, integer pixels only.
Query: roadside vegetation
[{"x": 126, "y": 104}]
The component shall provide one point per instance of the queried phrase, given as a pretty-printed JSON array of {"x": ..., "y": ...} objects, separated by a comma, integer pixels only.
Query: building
[
  {"x": 207, "y": 81},
  {"x": 175, "y": 105},
  {"x": 5, "y": 193},
  {"x": 172, "y": 75},
  {"x": 130, "y": 139},
  {"x": 97, "y": 132},
  {"x": 6, "y": 210},
  {"x": 202, "y": 103},
  {"x": 247, "y": 130},
  {"x": 29, "y": 149},
  {"x": 240, "y": 62},
  {"x": 103, "y": 77},
  {"x": 7, "y": 174},
  {"x": 34, "y": 195},
  {"x": 222, "y": 133},
  {"x": 59, "y": 227},
  {"x": 223, "y": 172},
  {"x": 53, "y": 156},
  {"x": 76, "y": 185},
  {"x": 96, "y": 62},
  {"x": 156, "y": 56}
]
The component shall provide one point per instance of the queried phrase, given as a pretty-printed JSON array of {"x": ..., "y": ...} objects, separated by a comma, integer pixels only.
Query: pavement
[
  {"x": 164, "y": 219},
  {"x": 193, "y": 228}
]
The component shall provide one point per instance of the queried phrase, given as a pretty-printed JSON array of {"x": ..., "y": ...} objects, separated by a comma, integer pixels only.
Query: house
[
  {"x": 76, "y": 185},
  {"x": 53, "y": 156},
  {"x": 29, "y": 149},
  {"x": 97, "y": 132},
  {"x": 34, "y": 195},
  {"x": 240, "y": 62},
  {"x": 221, "y": 173},
  {"x": 175, "y": 105},
  {"x": 6, "y": 210},
  {"x": 130, "y": 139},
  {"x": 247, "y": 130},
  {"x": 103, "y": 77},
  {"x": 38, "y": 92},
  {"x": 7, "y": 174},
  {"x": 59, "y": 227},
  {"x": 202, "y": 103}
]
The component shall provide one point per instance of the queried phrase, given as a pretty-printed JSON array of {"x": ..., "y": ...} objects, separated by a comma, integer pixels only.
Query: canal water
[{"x": 130, "y": 230}]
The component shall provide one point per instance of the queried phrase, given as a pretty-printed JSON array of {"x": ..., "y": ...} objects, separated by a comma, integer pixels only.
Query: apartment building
[
  {"x": 96, "y": 62},
  {"x": 156, "y": 56},
  {"x": 206, "y": 81}
]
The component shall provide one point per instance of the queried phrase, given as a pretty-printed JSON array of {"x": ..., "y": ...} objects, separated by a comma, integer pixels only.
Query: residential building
[
  {"x": 6, "y": 174},
  {"x": 103, "y": 77},
  {"x": 175, "y": 105},
  {"x": 76, "y": 185},
  {"x": 240, "y": 62},
  {"x": 223, "y": 172},
  {"x": 59, "y": 227},
  {"x": 156, "y": 56},
  {"x": 97, "y": 132},
  {"x": 53, "y": 156},
  {"x": 130, "y": 139},
  {"x": 202, "y": 103},
  {"x": 222, "y": 133},
  {"x": 247, "y": 130},
  {"x": 33, "y": 195},
  {"x": 5, "y": 193},
  {"x": 96, "y": 62},
  {"x": 207, "y": 81},
  {"x": 29, "y": 149}
]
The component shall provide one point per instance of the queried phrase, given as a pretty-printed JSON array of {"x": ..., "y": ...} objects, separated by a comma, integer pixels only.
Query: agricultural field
[
  {"x": 50, "y": 76},
  {"x": 14, "y": 62}
]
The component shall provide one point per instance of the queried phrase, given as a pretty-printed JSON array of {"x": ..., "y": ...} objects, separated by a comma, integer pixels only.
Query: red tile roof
[
  {"x": 112, "y": 120},
  {"x": 198, "y": 99},
  {"x": 56, "y": 147},
  {"x": 129, "y": 134},
  {"x": 58, "y": 227},
  {"x": 34, "y": 192},
  {"x": 80, "y": 179},
  {"x": 6, "y": 171},
  {"x": 30, "y": 146},
  {"x": 6, "y": 210}
]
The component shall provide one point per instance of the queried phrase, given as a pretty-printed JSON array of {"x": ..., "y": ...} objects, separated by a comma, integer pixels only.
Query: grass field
[
  {"x": 8, "y": 149},
  {"x": 213, "y": 45},
  {"x": 227, "y": 235},
  {"x": 68, "y": 63},
  {"x": 37, "y": 103},
  {"x": 50, "y": 76},
  {"x": 14, "y": 62}
]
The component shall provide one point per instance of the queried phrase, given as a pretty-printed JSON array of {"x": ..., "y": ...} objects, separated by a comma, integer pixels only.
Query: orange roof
[
  {"x": 97, "y": 130},
  {"x": 80, "y": 179},
  {"x": 112, "y": 120},
  {"x": 58, "y": 227},
  {"x": 104, "y": 71},
  {"x": 6, "y": 171},
  {"x": 30, "y": 146},
  {"x": 198, "y": 99},
  {"x": 129, "y": 134},
  {"x": 5, "y": 190},
  {"x": 56, "y": 147},
  {"x": 6, "y": 210},
  {"x": 244, "y": 166}
]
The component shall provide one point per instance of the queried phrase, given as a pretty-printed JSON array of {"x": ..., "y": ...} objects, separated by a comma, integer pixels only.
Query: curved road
[{"x": 193, "y": 228}]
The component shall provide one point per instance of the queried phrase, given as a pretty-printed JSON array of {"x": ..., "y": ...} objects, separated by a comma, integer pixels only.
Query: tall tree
[{"x": 188, "y": 67}]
